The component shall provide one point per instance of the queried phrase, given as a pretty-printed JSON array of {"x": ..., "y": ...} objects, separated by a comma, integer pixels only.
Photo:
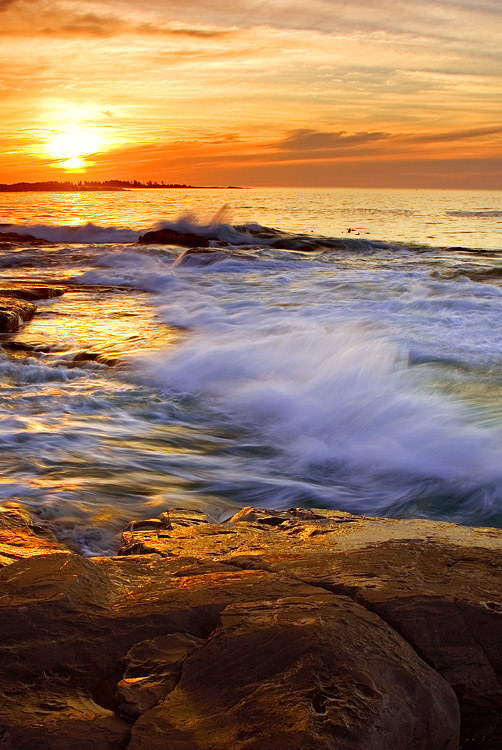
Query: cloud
[
  {"x": 311, "y": 140},
  {"x": 65, "y": 21},
  {"x": 179, "y": 30},
  {"x": 455, "y": 135}
]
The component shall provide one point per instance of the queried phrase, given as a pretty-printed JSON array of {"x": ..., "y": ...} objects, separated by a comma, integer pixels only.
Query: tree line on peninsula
[{"x": 81, "y": 186}]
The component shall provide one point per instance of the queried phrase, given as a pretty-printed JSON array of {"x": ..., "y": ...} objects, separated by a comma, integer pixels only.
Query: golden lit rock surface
[
  {"x": 32, "y": 292},
  {"x": 13, "y": 313},
  {"x": 277, "y": 629},
  {"x": 20, "y": 539}
]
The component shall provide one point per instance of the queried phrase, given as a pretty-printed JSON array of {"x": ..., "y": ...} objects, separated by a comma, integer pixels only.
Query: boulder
[
  {"x": 283, "y": 629},
  {"x": 171, "y": 237},
  {"x": 204, "y": 655},
  {"x": 302, "y": 672},
  {"x": 437, "y": 584}
]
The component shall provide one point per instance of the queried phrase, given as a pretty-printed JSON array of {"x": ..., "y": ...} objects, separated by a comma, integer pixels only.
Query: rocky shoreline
[{"x": 293, "y": 629}]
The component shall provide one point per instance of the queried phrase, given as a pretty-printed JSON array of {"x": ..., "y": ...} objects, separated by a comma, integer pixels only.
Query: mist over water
[{"x": 292, "y": 364}]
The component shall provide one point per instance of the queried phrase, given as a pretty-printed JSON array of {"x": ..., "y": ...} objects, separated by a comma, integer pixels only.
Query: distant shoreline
[{"x": 106, "y": 185}]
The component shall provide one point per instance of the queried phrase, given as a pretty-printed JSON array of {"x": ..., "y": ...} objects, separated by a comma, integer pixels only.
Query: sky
[{"x": 324, "y": 93}]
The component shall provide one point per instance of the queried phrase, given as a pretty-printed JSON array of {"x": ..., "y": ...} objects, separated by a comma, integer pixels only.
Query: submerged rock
[
  {"x": 171, "y": 237},
  {"x": 282, "y": 629}
]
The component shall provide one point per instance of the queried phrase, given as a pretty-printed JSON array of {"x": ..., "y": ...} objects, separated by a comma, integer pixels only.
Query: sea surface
[{"x": 336, "y": 348}]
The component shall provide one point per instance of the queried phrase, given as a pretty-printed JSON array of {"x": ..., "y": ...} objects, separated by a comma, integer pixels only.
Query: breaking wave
[
  {"x": 217, "y": 230},
  {"x": 82, "y": 233},
  {"x": 335, "y": 410}
]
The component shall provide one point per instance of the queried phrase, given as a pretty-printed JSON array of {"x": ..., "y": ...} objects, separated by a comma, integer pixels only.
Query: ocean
[{"x": 336, "y": 348}]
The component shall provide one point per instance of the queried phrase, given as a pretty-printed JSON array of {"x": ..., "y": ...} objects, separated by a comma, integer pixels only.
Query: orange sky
[{"x": 285, "y": 92}]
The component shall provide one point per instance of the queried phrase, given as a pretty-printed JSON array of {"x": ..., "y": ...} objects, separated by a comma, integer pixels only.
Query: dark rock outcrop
[
  {"x": 281, "y": 629},
  {"x": 16, "y": 302},
  {"x": 171, "y": 237},
  {"x": 32, "y": 292},
  {"x": 22, "y": 239},
  {"x": 197, "y": 257},
  {"x": 437, "y": 584},
  {"x": 14, "y": 312}
]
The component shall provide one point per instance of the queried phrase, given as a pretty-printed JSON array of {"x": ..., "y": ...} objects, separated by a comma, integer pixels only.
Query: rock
[
  {"x": 302, "y": 672},
  {"x": 19, "y": 538},
  {"x": 199, "y": 257},
  {"x": 71, "y": 622},
  {"x": 13, "y": 313},
  {"x": 22, "y": 239},
  {"x": 295, "y": 243},
  {"x": 437, "y": 584},
  {"x": 22, "y": 348},
  {"x": 244, "y": 657},
  {"x": 153, "y": 669},
  {"x": 171, "y": 237},
  {"x": 32, "y": 292},
  {"x": 298, "y": 629}
]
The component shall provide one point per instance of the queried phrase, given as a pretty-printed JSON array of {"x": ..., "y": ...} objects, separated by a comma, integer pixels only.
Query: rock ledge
[{"x": 282, "y": 629}]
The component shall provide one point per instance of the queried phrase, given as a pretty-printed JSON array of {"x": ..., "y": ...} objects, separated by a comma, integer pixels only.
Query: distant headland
[{"x": 71, "y": 187}]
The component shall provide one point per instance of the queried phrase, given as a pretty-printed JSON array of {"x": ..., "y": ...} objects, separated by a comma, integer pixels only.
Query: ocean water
[{"x": 296, "y": 364}]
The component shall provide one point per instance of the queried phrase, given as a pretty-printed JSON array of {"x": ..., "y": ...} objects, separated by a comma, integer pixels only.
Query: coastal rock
[
  {"x": 283, "y": 629},
  {"x": 171, "y": 237},
  {"x": 22, "y": 239},
  {"x": 32, "y": 292},
  {"x": 437, "y": 584},
  {"x": 20, "y": 538},
  {"x": 13, "y": 313},
  {"x": 302, "y": 672},
  {"x": 153, "y": 669},
  {"x": 198, "y": 257},
  {"x": 206, "y": 655}
]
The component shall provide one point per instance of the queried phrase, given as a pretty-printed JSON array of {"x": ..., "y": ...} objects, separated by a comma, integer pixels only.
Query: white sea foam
[
  {"x": 329, "y": 401},
  {"x": 340, "y": 375},
  {"x": 81, "y": 233}
]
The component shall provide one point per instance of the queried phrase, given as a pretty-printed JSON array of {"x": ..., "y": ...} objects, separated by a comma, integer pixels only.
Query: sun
[{"x": 72, "y": 145}]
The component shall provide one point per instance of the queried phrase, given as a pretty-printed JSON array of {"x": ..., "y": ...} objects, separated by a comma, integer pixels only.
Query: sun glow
[{"x": 71, "y": 146}]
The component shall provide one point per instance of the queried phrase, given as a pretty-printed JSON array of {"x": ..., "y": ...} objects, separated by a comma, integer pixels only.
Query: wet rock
[
  {"x": 13, "y": 313},
  {"x": 171, "y": 237},
  {"x": 297, "y": 244},
  {"x": 33, "y": 291},
  {"x": 207, "y": 257},
  {"x": 20, "y": 538},
  {"x": 22, "y": 348},
  {"x": 22, "y": 239}
]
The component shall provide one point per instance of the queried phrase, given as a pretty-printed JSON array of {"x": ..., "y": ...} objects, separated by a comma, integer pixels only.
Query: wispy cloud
[
  {"x": 255, "y": 84},
  {"x": 456, "y": 135},
  {"x": 311, "y": 140}
]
